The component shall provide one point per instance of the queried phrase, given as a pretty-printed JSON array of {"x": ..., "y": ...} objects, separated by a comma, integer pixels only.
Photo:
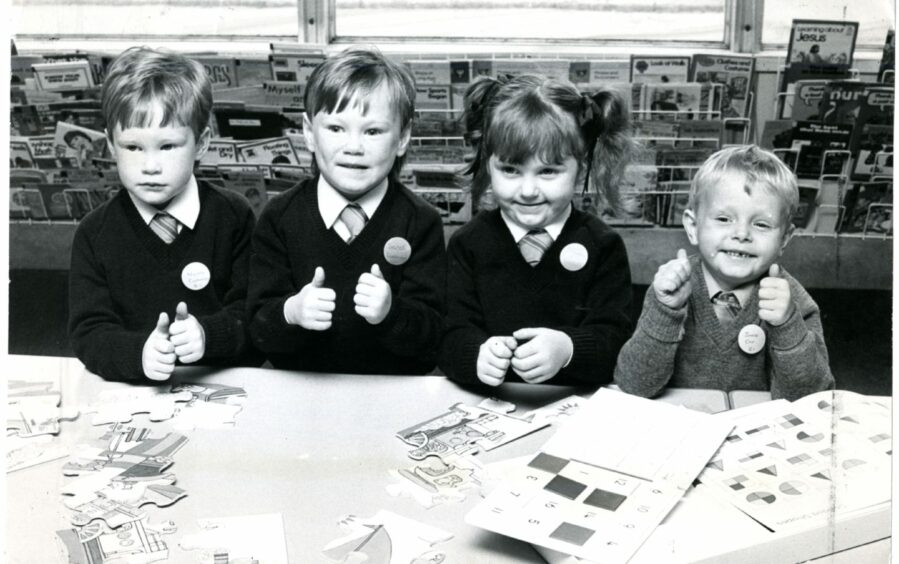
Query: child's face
[
  {"x": 156, "y": 163},
  {"x": 533, "y": 194},
  {"x": 739, "y": 235},
  {"x": 355, "y": 151}
]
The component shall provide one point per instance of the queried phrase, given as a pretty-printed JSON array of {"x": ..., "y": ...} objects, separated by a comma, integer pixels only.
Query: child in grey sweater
[{"x": 730, "y": 318}]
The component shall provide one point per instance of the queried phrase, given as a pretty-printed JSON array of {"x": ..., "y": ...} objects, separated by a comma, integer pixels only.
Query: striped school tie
[
  {"x": 727, "y": 306},
  {"x": 165, "y": 226},
  {"x": 534, "y": 244},
  {"x": 354, "y": 219}
]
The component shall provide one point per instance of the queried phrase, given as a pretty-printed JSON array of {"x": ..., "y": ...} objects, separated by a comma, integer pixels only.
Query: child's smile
[{"x": 533, "y": 194}]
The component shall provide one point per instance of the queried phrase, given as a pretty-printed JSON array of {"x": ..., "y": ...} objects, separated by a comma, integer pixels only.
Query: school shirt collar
[
  {"x": 185, "y": 207},
  {"x": 554, "y": 229},
  {"x": 743, "y": 293},
  {"x": 331, "y": 202}
]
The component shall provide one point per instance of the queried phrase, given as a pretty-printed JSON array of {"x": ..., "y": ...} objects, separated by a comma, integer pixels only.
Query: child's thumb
[
  {"x": 376, "y": 270},
  {"x": 318, "y": 279},
  {"x": 681, "y": 254},
  {"x": 774, "y": 271},
  {"x": 181, "y": 312},
  {"x": 162, "y": 324}
]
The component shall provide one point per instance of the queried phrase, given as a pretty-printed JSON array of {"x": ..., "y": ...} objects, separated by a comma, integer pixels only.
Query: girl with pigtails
[{"x": 537, "y": 290}]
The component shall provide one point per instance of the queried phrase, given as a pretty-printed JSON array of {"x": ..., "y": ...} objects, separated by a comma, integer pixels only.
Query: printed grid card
[
  {"x": 604, "y": 482},
  {"x": 793, "y": 465}
]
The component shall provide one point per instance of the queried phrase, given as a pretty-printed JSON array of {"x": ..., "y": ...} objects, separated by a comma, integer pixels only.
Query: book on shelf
[
  {"x": 659, "y": 69},
  {"x": 803, "y": 100},
  {"x": 734, "y": 72},
  {"x": 598, "y": 73},
  {"x": 220, "y": 151},
  {"x": 653, "y": 133},
  {"x": 98, "y": 62},
  {"x": 841, "y": 101},
  {"x": 481, "y": 67},
  {"x": 71, "y": 75},
  {"x": 873, "y": 131},
  {"x": 869, "y": 208},
  {"x": 703, "y": 133},
  {"x": 245, "y": 123},
  {"x": 24, "y": 121},
  {"x": 21, "y": 73},
  {"x": 226, "y": 170},
  {"x": 887, "y": 70},
  {"x": 794, "y": 73},
  {"x": 294, "y": 67},
  {"x": 292, "y": 173},
  {"x": 428, "y": 72},
  {"x": 776, "y": 134},
  {"x": 672, "y": 101},
  {"x": 222, "y": 71},
  {"x": 555, "y": 69},
  {"x": 22, "y": 176},
  {"x": 437, "y": 123},
  {"x": 821, "y": 42},
  {"x": 20, "y": 153},
  {"x": 25, "y": 203},
  {"x": 78, "y": 143},
  {"x": 55, "y": 200},
  {"x": 276, "y": 150},
  {"x": 813, "y": 140},
  {"x": 678, "y": 163},
  {"x": 250, "y": 185},
  {"x": 433, "y": 97},
  {"x": 808, "y": 196},
  {"x": 253, "y": 71}
]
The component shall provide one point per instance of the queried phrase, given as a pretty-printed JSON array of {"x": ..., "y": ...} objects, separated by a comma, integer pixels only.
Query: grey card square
[
  {"x": 605, "y": 500},
  {"x": 548, "y": 463},
  {"x": 572, "y": 534},
  {"x": 565, "y": 487}
]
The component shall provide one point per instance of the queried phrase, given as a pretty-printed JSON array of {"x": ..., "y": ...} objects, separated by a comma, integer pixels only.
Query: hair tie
[{"x": 589, "y": 119}]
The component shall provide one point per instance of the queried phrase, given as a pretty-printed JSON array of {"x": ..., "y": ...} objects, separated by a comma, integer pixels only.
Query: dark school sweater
[
  {"x": 492, "y": 291},
  {"x": 123, "y": 276},
  {"x": 291, "y": 241}
]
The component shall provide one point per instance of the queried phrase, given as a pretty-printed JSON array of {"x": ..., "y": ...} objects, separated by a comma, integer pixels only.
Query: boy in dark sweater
[
  {"x": 731, "y": 318},
  {"x": 348, "y": 268},
  {"x": 159, "y": 273}
]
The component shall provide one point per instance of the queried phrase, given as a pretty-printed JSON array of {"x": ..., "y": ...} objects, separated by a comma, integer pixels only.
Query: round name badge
[
  {"x": 397, "y": 251},
  {"x": 195, "y": 276},
  {"x": 573, "y": 257},
  {"x": 751, "y": 339}
]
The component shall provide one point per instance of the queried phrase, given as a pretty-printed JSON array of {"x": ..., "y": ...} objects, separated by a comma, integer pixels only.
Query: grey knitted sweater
[{"x": 689, "y": 348}]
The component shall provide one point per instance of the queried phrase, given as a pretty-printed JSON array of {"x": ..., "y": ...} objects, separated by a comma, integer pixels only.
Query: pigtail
[
  {"x": 605, "y": 123},
  {"x": 478, "y": 104}
]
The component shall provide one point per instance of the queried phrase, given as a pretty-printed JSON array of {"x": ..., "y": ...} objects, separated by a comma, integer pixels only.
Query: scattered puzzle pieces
[
  {"x": 26, "y": 452},
  {"x": 212, "y": 406},
  {"x": 33, "y": 408},
  {"x": 436, "y": 480},
  {"x": 465, "y": 429},
  {"x": 387, "y": 538},
  {"x": 246, "y": 539},
  {"x": 135, "y": 542},
  {"x": 556, "y": 412}
]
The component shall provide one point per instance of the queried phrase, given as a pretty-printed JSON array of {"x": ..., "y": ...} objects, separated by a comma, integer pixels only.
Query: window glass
[
  {"x": 638, "y": 20},
  {"x": 268, "y": 18},
  {"x": 874, "y": 18}
]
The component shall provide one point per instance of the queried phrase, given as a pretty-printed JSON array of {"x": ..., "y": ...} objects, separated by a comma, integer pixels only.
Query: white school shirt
[
  {"x": 554, "y": 229},
  {"x": 185, "y": 207},
  {"x": 743, "y": 293},
  {"x": 331, "y": 203}
]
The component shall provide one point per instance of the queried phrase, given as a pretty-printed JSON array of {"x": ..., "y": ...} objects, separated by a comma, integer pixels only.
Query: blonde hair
[
  {"x": 351, "y": 76},
  {"x": 141, "y": 77},
  {"x": 534, "y": 117},
  {"x": 760, "y": 168}
]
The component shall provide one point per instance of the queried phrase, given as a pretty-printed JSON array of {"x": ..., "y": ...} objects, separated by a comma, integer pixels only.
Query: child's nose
[
  {"x": 529, "y": 187},
  {"x": 742, "y": 231},
  {"x": 354, "y": 144},
  {"x": 152, "y": 163}
]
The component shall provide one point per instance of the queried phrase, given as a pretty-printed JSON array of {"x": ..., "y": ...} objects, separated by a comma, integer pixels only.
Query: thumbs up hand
[
  {"x": 187, "y": 335},
  {"x": 158, "y": 356},
  {"x": 312, "y": 307},
  {"x": 671, "y": 283},
  {"x": 373, "y": 296},
  {"x": 775, "y": 301}
]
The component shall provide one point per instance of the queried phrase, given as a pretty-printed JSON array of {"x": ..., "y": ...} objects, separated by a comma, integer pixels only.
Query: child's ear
[
  {"x": 405, "y": 136},
  {"x": 203, "y": 143},
  {"x": 307, "y": 132},
  {"x": 689, "y": 221}
]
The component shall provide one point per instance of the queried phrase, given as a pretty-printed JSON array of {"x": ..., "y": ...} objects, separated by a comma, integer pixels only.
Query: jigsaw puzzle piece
[
  {"x": 25, "y": 452},
  {"x": 116, "y": 513},
  {"x": 215, "y": 393},
  {"x": 202, "y": 415},
  {"x": 386, "y": 538},
  {"x": 436, "y": 480},
  {"x": 135, "y": 542},
  {"x": 555, "y": 412},
  {"x": 120, "y": 406},
  {"x": 250, "y": 538}
]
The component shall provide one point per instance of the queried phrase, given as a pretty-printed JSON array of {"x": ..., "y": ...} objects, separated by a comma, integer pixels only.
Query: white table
[{"x": 315, "y": 447}]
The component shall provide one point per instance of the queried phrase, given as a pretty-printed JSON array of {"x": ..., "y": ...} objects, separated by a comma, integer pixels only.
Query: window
[
  {"x": 874, "y": 18},
  {"x": 634, "y": 20},
  {"x": 116, "y": 18}
]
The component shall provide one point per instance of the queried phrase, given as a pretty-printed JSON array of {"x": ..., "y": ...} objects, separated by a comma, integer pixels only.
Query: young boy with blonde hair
[
  {"x": 348, "y": 268},
  {"x": 159, "y": 272},
  {"x": 730, "y": 318}
]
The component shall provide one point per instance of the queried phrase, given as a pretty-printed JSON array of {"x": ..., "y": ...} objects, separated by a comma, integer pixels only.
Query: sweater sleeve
[
  {"x": 96, "y": 330},
  {"x": 227, "y": 331},
  {"x": 646, "y": 363},
  {"x": 598, "y": 338},
  {"x": 464, "y": 317},
  {"x": 414, "y": 325},
  {"x": 799, "y": 363},
  {"x": 271, "y": 284}
]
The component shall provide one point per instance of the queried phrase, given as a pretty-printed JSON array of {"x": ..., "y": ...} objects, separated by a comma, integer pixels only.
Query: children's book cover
[
  {"x": 655, "y": 69},
  {"x": 873, "y": 131},
  {"x": 812, "y": 140},
  {"x": 268, "y": 151},
  {"x": 887, "y": 71},
  {"x": 804, "y": 100},
  {"x": 252, "y": 72},
  {"x": 869, "y": 208},
  {"x": 222, "y": 71},
  {"x": 74, "y": 75},
  {"x": 732, "y": 71},
  {"x": 294, "y": 67},
  {"x": 841, "y": 101},
  {"x": 673, "y": 101},
  {"x": 821, "y": 42}
]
